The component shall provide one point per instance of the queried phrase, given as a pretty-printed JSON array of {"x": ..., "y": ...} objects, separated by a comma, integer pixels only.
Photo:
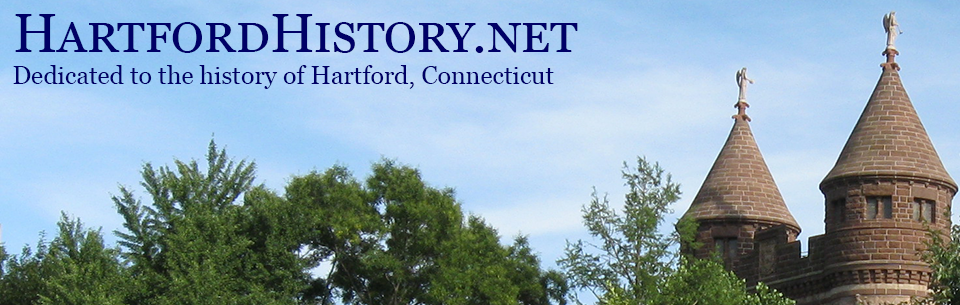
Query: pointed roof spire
[
  {"x": 889, "y": 139},
  {"x": 739, "y": 185}
]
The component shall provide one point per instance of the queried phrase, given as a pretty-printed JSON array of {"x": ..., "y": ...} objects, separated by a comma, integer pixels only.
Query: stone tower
[
  {"x": 886, "y": 190},
  {"x": 739, "y": 196},
  {"x": 887, "y": 185}
]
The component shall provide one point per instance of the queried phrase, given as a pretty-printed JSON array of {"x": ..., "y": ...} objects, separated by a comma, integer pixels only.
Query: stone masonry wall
[{"x": 858, "y": 258}]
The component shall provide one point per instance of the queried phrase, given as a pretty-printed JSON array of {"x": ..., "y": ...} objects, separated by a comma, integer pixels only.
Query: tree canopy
[
  {"x": 206, "y": 233},
  {"x": 395, "y": 240}
]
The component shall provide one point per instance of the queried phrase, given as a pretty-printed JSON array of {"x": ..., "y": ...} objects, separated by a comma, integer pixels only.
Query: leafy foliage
[
  {"x": 209, "y": 235},
  {"x": 631, "y": 257},
  {"x": 82, "y": 270},
  {"x": 74, "y": 268},
  {"x": 943, "y": 255},
  {"x": 24, "y": 274},
  {"x": 706, "y": 282},
  {"x": 395, "y": 240},
  {"x": 197, "y": 240},
  {"x": 633, "y": 263}
]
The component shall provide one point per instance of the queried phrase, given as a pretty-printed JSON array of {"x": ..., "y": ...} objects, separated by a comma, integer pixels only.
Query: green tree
[
  {"x": 396, "y": 240},
  {"x": 706, "y": 282},
  {"x": 82, "y": 269},
  {"x": 633, "y": 263},
  {"x": 943, "y": 255},
  {"x": 535, "y": 286},
  {"x": 340, "y": 226},
  {"x": 74, "y": 268},
  {"x": 632, "y": 257},
  {"x": 197, "y": 241},
  {"x": 211, "y": 236},
  {"x": 24, "y": 274}
]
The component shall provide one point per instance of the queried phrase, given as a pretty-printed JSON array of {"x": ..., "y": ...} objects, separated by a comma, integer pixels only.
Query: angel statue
[
  {"x": 742, "y": 81},
  {"x": 892, "y": 28}
]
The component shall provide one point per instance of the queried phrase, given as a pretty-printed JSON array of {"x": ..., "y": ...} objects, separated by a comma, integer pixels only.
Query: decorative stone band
[
  {"x": 877, "y": 286},
  {"x": 893, "y": 273},
  {"x": 884, "y": 176},
  {"x": 869, "y": 294},
  {"x": 758, "y": 220}
]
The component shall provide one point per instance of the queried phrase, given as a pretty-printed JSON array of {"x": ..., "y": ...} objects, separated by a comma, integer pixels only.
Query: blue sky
[{"x": 653, "y": 79}]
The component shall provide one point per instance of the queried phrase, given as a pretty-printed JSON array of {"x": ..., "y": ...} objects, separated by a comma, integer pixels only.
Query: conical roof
[
  {"x": 889, "y": 139},
  {"x": 739, "y": 185}
]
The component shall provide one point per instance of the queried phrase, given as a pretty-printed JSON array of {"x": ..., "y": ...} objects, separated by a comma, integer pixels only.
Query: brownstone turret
[
  {"x": 887, "y": 185},
  {"x": 738, "y": 197},
  {"x": 887, "y": 189}
]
